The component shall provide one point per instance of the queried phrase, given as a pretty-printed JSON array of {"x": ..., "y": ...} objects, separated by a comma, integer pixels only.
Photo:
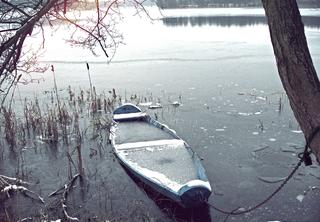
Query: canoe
[{"x": 156, "y": 155}]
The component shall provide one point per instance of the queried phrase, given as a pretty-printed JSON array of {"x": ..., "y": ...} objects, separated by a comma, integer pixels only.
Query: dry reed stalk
[
  {"x": 1, "y": 150},
  {"x": 89, "y": 75},
  {"x": 21, "y": 135},
  {"x": 114, "y": 95},
  {"x": 10, "y": 129},
  {"x": 51, "y": 132},
  {"x": 78, "y": 140},
  {"x": 71, "y": 94},
  {"x": 80, "y": 165},
  {"x": 56, "y": 90},
  {"x": 25, "y": 112},
  {"x": 99, "y": 104},
  {"x": 105, "y": 105},
  {"x": 65, "y": 121},
  {"x": 82, "y": 96}
]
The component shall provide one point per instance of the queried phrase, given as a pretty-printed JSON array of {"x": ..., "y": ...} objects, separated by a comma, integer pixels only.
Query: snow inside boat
[{"x": 157, "y": 156}]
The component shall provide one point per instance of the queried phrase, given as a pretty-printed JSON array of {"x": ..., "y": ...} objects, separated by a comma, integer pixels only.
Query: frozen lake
[{"x": 235, "y": 115}]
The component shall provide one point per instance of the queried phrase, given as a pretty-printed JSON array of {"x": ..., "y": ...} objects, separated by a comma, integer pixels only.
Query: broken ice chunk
[
  {"x": 300, "y": 197},
  {"x": 296, "y": 131},
  {"x": 145, "y": 104},
  {"x": 262, "y": 98},
  {"x": 244, "y": 114},
  {"x": 156, "y": 106},
  {"x": 176, "y": 104},
  {"x": 220, "y": 130},
  {"x": 150, "y": 149}
]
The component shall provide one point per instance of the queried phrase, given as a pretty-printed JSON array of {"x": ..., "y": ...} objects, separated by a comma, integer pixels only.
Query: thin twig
[
  {"x": 14, "y": 180},
  {"x": 67, "y": 188},
  {"x": 28, "y": 193}
]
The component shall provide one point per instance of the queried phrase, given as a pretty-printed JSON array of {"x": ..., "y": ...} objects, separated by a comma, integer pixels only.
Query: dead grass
[{"x": 63, "y": 124}]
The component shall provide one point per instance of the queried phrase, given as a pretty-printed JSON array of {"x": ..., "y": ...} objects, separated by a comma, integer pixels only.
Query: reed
[
  {"x": 280, "y": 106},
  {"x": 69, "y": 125},
  {"x": 261, "y": 126},
  {"x": 89, "y": 76},
  {"x": 78, "y": 142},
  {"x": 10, "y": 128},
  {"x": 1, "y": 151},
  {"x": 56, "y": 89}
]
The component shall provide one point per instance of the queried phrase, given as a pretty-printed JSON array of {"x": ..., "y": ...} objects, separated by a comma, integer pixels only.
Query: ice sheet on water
[
  {"x": 217, "y": 192},
  {"x": 271, "y": 179},
  {"x": 260, "y": 148},
  {"x": 246, "y": 185},
  {"x": 287, "y": 149},
  {"x": 315, "y": 175},
  {"x": 294, "y": 145}
]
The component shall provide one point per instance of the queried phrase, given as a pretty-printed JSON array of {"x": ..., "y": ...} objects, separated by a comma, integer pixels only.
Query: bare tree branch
[{"x": 19, "y": 19}]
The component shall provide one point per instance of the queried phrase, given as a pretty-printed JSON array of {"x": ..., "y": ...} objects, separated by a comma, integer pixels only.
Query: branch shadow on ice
[{"x": 171, "y": 208}]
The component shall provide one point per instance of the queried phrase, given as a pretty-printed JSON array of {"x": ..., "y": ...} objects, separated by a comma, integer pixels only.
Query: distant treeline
[
  {"x": 227, "y": 21},
  {"x": 224, "y": 3}
]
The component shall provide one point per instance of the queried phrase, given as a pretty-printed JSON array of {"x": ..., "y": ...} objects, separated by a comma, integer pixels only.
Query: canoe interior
[
  {"x": 162, "y": 156},
  {"x": 171, "y": 160},
  {"x": 137, "y": 131}
]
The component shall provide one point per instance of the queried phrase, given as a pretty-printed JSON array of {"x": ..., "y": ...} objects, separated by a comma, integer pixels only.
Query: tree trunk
[{"x": 295, "y": 67}]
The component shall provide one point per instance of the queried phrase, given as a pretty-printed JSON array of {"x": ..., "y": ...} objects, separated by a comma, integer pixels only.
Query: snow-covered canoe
[{"x": 157, "y": 156}]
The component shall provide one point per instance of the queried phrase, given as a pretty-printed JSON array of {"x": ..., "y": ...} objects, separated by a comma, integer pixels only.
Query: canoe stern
[{"x": 194, "y": 193}]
